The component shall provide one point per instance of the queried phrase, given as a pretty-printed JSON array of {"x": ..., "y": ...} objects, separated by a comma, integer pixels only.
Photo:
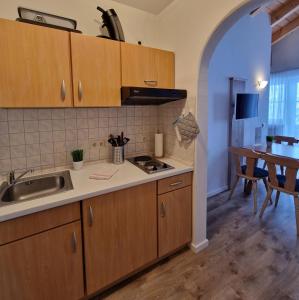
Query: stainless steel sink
[{"x": 36, "y": 187}]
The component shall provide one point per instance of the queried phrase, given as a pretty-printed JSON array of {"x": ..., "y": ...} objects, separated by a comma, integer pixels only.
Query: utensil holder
[{"x": 118, "y": 155}]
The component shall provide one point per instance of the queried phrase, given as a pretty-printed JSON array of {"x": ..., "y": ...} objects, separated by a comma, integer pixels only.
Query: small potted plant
[
  {"x": 269, "y": 140},
  {"x": 77, "y": 156}
]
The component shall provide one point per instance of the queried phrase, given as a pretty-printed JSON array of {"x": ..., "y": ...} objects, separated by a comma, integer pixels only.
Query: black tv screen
[{"x": 247, "y": 106}]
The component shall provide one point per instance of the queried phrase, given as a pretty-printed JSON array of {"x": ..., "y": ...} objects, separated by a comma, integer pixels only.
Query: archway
[{"x": 200, "y": 187}]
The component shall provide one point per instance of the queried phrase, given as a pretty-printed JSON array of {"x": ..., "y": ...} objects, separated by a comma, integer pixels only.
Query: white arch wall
[
  {"x": 191, "y": 28},
  {"x": 243, "y": 52}
]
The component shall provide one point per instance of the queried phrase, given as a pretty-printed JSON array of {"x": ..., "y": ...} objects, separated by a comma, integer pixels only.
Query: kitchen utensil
[{"x": 118, "y": 155}]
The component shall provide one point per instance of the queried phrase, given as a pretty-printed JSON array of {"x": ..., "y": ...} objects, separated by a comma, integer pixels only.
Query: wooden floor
[{"x": 246, "y": 259}]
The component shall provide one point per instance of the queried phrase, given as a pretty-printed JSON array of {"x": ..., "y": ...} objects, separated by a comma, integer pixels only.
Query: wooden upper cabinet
[
  {"x": 147, "y": 67},
  {"x": 96, "y": 71},
  {"x": 35, "y": 66},
  {"x": 175, "y": 220},
  {"x": 44, "y": 266},
  {"x": 120, "y": 234}
]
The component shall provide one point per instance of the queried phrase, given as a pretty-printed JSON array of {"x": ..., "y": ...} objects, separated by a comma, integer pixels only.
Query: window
[
  {"x": 276, "y": 102},
  {"x": 297, "y": 105}
]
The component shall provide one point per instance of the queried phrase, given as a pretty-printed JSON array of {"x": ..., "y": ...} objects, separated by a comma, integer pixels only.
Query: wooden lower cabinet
[
  {"x": 175, "y": 217},
  {"x": 120, "y": 234},
  {"x": 44, "y": 266}
]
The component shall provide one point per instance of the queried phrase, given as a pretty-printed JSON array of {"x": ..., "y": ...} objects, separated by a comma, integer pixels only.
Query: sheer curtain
[{"x": 284, "y": 104}]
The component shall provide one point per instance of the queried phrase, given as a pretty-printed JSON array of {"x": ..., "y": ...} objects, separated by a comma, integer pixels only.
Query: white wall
[
  {"x": 285, "y": 53},
  {"x": 243, "y": 52},
  {"x": 137, "y": 24}
]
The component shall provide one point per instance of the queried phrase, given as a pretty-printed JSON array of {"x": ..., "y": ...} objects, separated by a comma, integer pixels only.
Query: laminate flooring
[{"x": 247, "y": 258}]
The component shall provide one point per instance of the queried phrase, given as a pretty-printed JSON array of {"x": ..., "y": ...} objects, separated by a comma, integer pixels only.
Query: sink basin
[{"x": 36, "y": 187}]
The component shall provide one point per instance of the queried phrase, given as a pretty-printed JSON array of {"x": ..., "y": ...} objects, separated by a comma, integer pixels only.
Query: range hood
[{"x": 150, "y": 96}]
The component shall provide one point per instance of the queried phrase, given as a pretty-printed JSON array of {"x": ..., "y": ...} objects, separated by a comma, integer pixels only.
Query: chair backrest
[
  {"x": 291, "y": 165},
  {"x": 278, "y": 139},
  {"x": 250, "y": 156}
]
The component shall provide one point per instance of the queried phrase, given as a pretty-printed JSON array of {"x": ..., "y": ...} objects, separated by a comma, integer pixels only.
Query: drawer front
[
  {"x": 173, "y": 183},
  {"x": 21, "y": 227}
]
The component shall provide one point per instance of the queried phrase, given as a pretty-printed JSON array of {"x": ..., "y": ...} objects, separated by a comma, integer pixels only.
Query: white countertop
[{"x": 127, "y": 176}]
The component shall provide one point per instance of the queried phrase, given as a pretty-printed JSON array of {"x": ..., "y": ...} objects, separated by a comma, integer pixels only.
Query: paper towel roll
[{"x": 159, "y": 144}]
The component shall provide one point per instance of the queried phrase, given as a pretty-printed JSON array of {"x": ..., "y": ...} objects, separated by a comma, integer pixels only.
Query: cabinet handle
[
  {"x": 80, "y": 91},
  {"x": 63, "y": 90},
  {"x": 176, "y": 183},
  {"x": 151, "y": 82},
  {"x": 74, "y": 242},
  {"x": 163, "y": 210},
  {"x": 90, "y": 216}
]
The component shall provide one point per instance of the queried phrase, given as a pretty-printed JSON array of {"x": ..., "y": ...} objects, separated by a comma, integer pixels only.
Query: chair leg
[
  {"x": 233, "y": 187},
  {"x": 277, "y": 198},
  {"x": 267, "y": 188},
  {"x": 265, "y": 203},
  {"x": 296, "y": 202},
  {"x": 264, "y": 166},
  {"x": 245, "y": 185},
  {"x": 254, "y": 186}
]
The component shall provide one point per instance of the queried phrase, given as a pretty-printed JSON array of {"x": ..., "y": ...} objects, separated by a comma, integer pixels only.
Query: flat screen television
[{"x": 247, "y": 106}]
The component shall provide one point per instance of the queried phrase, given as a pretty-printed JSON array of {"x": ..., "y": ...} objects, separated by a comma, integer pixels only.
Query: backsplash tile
[{"x": 44, "y": 138}]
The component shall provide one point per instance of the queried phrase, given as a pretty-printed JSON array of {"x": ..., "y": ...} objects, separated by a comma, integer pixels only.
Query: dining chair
[
  {"x": 278, "y": 139},
  {"x": 287, "y": 183},
  {"x": 248, "y": 171}
]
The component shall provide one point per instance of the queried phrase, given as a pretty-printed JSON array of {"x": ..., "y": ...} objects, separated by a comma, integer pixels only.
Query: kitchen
[{"x": 71, "y": 221}]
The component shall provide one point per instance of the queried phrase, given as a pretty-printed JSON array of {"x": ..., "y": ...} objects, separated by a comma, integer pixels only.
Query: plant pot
[
  {"x": 77, "y": 165},
  {"x": 269, "y": 144}
]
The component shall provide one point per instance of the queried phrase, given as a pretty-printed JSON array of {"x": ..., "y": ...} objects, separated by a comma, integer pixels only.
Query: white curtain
[{"x": 284, "y": 104}]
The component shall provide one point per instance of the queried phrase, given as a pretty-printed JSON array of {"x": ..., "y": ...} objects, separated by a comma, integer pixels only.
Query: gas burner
[
  {"x": 149, "y": 165},
  {"x": 142, "y": 160}
]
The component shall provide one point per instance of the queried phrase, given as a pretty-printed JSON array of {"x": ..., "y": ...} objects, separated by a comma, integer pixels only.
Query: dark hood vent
[{"x": 150, "y": 96}]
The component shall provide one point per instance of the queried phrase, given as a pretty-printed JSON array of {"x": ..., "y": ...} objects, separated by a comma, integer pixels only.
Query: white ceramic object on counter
[{"x": 77, "y": 165}]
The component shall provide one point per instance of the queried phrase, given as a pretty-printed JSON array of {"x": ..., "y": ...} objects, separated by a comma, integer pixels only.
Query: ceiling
[
  {"x": 151, "y": 6},
  {"x": 284, "y": 16}
]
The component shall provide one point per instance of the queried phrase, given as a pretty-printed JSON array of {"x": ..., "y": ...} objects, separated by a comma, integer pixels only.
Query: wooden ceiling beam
[
  {"x": 283, "y": 11},
  {"x": 284, "y": 31}
]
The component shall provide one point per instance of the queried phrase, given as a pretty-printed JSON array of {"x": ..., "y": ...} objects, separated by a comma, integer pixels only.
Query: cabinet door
[
  {"x": 120, "y": 234},
  {"x": 147, "y": 67},
  {"x": 96, "y": 71},
  {"x": 44, "y": 266},
  {"x": 165, "y": 62},
  {"x": 35, "y": 66},
  {"x": 175, "y": 219}
]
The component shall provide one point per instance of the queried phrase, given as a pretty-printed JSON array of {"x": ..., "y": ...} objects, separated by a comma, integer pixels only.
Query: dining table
[{"x": 283, "y": 149}]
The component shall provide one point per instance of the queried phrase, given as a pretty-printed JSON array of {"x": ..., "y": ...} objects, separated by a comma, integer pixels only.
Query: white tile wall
[
  {"x": 44, "y": 138},
  {"x": 167, "y": 114}
]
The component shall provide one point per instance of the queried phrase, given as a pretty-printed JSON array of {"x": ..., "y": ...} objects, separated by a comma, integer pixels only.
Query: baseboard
[
  {"x": 200, "y": 246},
  {"x": 218, "y": 191}
]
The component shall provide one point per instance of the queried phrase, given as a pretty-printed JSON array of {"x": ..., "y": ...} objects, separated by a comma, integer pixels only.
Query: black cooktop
[{"x": 149, "y": 164}]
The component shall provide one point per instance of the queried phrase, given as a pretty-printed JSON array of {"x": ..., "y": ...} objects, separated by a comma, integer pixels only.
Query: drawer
[
  {"x": 173, "y": 183},
  {"x": 21, "y": 227}
]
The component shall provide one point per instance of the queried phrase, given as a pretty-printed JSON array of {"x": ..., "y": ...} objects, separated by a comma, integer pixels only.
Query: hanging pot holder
[{"x": 186, "y": 128}]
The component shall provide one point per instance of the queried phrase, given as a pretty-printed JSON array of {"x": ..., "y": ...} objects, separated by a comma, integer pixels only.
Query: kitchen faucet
[{"x": 11, "y": 176}]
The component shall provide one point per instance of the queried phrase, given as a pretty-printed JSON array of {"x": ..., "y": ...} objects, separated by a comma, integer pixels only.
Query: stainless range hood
[{"x": 150, "y": 96}]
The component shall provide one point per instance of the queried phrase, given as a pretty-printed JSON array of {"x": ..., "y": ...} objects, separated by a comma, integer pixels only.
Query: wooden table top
[{"x": 278, "y": 149}]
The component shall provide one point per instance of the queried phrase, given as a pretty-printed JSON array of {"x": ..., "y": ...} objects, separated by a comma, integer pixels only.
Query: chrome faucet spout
[{"x": 13, "y": 180}]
